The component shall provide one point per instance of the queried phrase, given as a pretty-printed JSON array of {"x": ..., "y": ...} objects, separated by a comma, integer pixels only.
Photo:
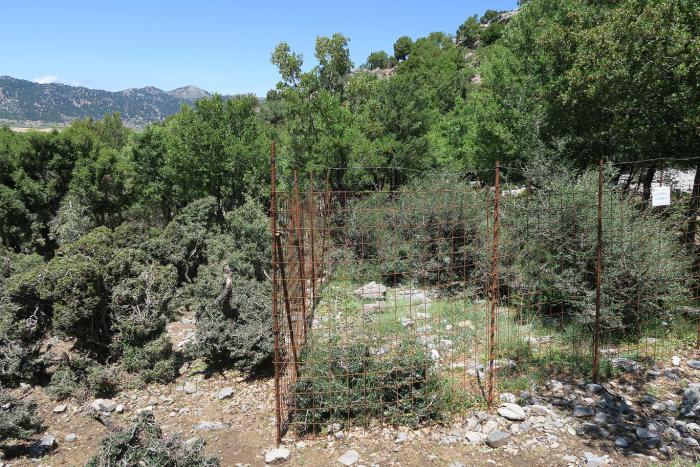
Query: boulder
[
  {"x": 371, "y": 290},
  {"x": 512, "y": 412},
  {"x": 277, "y": 455},
  {"x": 104, "y": 405},
  {"x": 349, "y": 458},
  {"x": 496, "y": 439},
  {"x": 690, "y": 405}
]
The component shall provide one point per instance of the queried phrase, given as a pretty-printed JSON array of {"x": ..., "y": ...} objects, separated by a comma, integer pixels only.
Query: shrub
[
  {"x": 549, "y": 259},
  {"x": 18, "y": 419},
  {"x": 72, "y": 221},
  {"x": 18, "y": 361},
  {"x": 80, "y": 376},
  {"x": 431, "y": 231},
  {"x": 144, "y": 444},
  {"x": 153, "y": 360},
  {"x": 24, "y": 313},
  {"x": 349, "y": 383},
  {"x": 235, "y": 329}
]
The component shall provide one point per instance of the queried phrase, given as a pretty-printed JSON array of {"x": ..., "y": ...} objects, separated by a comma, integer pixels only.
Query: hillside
[{"x": 27, "y": 103}]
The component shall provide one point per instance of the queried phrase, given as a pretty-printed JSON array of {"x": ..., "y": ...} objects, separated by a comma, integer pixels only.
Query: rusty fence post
[
  {"x": 275, "y": 317},
  {"x": 598, "y": 274},
  {"x": 298, "y": 225},
  {"x": 494, "y": 286},
  {"x": 312, "y": 240}
]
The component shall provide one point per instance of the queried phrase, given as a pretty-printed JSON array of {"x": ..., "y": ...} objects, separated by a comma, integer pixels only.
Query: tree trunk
[{"x": 647, "y": 180}]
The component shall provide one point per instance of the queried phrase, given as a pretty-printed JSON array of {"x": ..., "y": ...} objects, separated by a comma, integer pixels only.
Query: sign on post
[{"x": 661, "y": 195}]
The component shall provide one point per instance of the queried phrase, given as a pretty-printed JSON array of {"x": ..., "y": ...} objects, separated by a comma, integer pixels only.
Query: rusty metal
[
  {"x": 598, "y": 273},
  {"x": 495, "y": 286},
  {"x": 275, "y": 322},
  {"x": 299, "y": 216},
  {"x": 312, "y": 234},
  {"x": 288, "y": 306}
]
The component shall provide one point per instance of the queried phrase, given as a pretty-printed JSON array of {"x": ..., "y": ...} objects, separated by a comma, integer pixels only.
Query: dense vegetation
[{"x": 107, "y": 234}]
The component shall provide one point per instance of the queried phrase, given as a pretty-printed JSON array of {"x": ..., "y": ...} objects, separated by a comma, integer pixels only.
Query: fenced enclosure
[{"x": 405, "y": 306}]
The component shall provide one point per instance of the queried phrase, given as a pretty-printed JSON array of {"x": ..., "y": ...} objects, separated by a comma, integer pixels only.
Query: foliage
[
  {"x": 468, "y": 32},
  {"x": 379, "y": 59},
  {"x": 80, "y": 376},
  {"x": 18, "y": 419},
  {"x": 19, "y": 361},
  {"x": 402, "y": 48},
  {"x": 71, "y": 222},
  {"x": 144, "y": 444},
  {"x": 350, "y": 384},
  {"x": 551, "y": 264}
]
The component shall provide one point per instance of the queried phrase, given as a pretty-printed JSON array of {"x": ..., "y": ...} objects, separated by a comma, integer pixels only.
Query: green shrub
[
  {"x": 341, "y": 383},
  {"x": 235, "y": 330},
  {"x": 550, "y": 251},
  {"x": 18, "y": 361},
  {"x": 18, "y": 419},
  {"x": 431, "y": 231},
  {"x": 80, "y": 376},
  {"x": 25, "y": 315},
  {"x": 144, "y": 444},
  {"x": 153, "y": 360}
]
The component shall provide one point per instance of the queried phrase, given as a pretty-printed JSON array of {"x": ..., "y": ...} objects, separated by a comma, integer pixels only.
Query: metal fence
[{"x": 400, "y": 306}]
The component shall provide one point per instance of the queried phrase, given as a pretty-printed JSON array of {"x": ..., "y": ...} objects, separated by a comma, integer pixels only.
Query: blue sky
[{"x": 217, "y": 45}]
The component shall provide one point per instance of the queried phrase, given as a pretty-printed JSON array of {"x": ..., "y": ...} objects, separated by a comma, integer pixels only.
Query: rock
[
  {"x": 626, "y": 364},
  {"x": 581, "y": 411},
  {"x": 671, "y": 406},
  {"x": 349, "y": 458},
  {"x": 593, "y": 388},
  {"x": 60, "y": 408},
  {"x": 539, "y": 409},
  {"x": 692, "y": 442},
  {"x": 339, "y": 435},
  {"x": 570, "y": 459},
  {"x": 676, "y": 360},
  {"x": 508, "y": 397},
  {"x": 371, "y": 290},
  {"x": 477, "y": 439},
  {"x": 659, "y": 407},
  {"x": 512, "y": 412},
  {"x": 104, "y": 405},
  {"x": 147, "y": 409},
  {"x": 694, "y": 364},
  {"x": 690, "y": 405},
  {"x": 189, "y": 387},
  {"x": 592, "y": 460},
  {"x": 119, "y": 408},
  {"x": 496, "y": 439},
  {"x": 601, "y": 418},
  {"x": 277, "y": 455},
  {"x": 41, "y": 447},
  {"x": 70, "y": 437},
  {"x": 645, "y": 433},
  {"x": 373, "y": 307},
  {"x": 210, "y": 426},
  {"x": 225, "y": 393},
  {"x": 401, "y": 437},
  {"x": 434, "y": 355},
  {"x": 622, "y": 442}
]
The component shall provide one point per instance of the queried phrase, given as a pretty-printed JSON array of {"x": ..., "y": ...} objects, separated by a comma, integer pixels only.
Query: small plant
[
  {"x": 18, "y": 419},
  {"x": 81, "y": 376},
  {"x": 351, "y": 383},
  {"x": 144, "y": 444}
]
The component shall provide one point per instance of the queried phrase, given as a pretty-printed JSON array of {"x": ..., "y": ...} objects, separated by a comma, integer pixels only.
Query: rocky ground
[{"x": 640, "y": 418}]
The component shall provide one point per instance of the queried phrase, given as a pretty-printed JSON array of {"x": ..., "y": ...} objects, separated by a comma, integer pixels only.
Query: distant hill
[{"x": 26, "y": 103}]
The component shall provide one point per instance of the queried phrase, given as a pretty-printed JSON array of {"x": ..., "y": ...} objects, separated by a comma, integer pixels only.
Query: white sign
[{"x": 660, "y": 195}]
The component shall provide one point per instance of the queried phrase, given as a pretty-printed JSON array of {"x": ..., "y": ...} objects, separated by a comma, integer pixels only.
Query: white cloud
[{"x": 46, "y": 79}]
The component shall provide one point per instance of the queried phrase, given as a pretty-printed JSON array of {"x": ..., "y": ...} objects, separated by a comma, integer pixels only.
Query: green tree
[
  {"x": 379, "y": 59},
  {"x": 402, "y": 48},
  {"x": 468, "y": 32},
  {"x": 334, "y": 64}
]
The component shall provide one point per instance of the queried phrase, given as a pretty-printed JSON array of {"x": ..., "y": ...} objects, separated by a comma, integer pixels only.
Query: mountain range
[{"x": 26, "y": 103}]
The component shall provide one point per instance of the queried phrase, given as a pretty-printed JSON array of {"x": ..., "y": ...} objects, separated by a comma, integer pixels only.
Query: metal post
[
  {"x": 598, "y": 272},
  {"x": 275, "y": 317},
  {"x": 300, "y": 253},
  {"x": 495, "y": 286},
  {"x": 312, "y": 215},
  {"x": 290, "y": 324}
]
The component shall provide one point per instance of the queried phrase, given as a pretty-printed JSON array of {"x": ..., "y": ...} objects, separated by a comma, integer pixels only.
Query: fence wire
[{"x": 402, "y": 306}]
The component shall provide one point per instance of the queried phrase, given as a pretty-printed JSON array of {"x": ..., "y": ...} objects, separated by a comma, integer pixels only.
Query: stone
[
  {"x": 474, "y": 438},
  {"x": 434, "y": 355},
  {"x": 349, "y": 458},
  {"x": 225, "y": 393},
  {"x": 593, "y": 460},
  {"x": 508, "y": 397},
  {"x": 512, "y": 412},
  {"x": 539, "y": 409},
  {"x": 593, "y": 388},
  {"x": 676, "y": 360},
  {"x": 581, "y": 411},
  {"x": 496, "y": 439},
  {"x": 622, "y": 442},
  {"x": 692, "y": 442},
  {"x": 70, "y": 437},
  {"x": 694, "y": 364},
  {"x": 371, "y": 290},
  {"x": 277, "y": 455},
  {"x": 189, "y": 387},
  {"x": 690, "y": 405},
  {"x": 626, "y": 364},
  {"x": 601, "y": 418},
  {"x": 41, "y": 447},
  {"x": 104, "y": 405},
  {"x": 119, "y": 408},
  {"x": 373, "y": 307},
  {"x": 645, "y": 433},
  {"x": 339, "y": 435},
  {"x": 659, "y": 407},
  {"x": 60, "y": 408},
  {"x": 401, "y": 437},
  {"x": 210, "y": 426},
  {"x": 147, "y": 409},
  {"x": 570, "y": 459}
]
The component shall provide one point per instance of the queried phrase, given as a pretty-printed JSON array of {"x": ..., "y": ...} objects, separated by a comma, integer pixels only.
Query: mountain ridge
[{"x": 27, "y": 103}]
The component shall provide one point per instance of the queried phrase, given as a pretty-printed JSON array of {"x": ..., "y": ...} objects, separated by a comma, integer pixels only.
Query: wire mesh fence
[{"x": 405, "y": 306}]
